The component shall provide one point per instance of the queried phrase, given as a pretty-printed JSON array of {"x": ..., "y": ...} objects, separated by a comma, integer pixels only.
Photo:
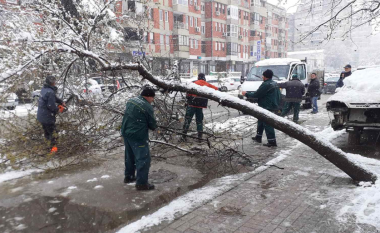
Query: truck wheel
[
  {"x": 354, "y": 136},
  {"x": 224, "y": 89},
  {"x": 11, "y": 108}
]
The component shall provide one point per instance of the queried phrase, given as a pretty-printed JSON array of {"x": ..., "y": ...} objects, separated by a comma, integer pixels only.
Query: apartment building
[
  {"x": 203, "y": 35},
  {"x": 212, "y": 35}
]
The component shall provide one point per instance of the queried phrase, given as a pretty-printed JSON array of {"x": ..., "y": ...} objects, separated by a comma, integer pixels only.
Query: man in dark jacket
[
  {"x": 195, "y": 105},
  {"x": 138, "y": 119},
  {"x": 343, "y": 75},
  {"x": 314, "y": 93},
  {"x": 295, "y": 89},
  {"x": 268, "y": 96},
  {"x": 47, "y": 110}
]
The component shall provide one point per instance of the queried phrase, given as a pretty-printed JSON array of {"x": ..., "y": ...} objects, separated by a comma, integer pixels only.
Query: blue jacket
[
  {"x": 343, "y": 75},
  {"x": 47, "y": 108}
]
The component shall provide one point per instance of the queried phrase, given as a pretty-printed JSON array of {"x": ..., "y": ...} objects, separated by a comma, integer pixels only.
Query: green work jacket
[
  {"x": 268, "y": 95},
  {"x": 138, "y": 119}
]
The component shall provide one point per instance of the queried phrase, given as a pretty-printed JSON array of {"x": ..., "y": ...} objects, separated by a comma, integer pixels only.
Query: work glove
[{"x": 61, "y": 108}]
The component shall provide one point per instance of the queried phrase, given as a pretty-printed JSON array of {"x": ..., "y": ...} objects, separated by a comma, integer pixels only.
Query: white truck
[{"x": 283, "y": 69}]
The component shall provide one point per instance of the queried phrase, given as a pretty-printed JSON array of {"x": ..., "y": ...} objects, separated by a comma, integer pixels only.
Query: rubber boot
[
  {"x": 257, "y": 139},
  {"x": 271, "y": 143},
  {"x": 200, "y": 135},
  {"x": 129, "y": 179},
  {"x": 142, "y": 187}
]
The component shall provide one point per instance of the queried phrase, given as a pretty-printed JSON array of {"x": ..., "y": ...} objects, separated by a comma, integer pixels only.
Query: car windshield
[
  {"x": 335, "y": 79},
  {"x": 280, "y": 72}
]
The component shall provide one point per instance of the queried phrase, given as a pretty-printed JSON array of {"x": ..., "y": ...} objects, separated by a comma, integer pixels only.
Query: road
[{"x": 92, "y": 198}]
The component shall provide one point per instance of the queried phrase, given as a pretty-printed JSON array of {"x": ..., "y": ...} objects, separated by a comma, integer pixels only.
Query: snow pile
[
  {"x": 20, "y": 111},
  {"x": 10, "y": 175},
  {"x": 239, "y": 125},
  {"x": 276, "y": 62},
  {"x": 363, "y": 86},
  {"x": 365, "y": 205}
]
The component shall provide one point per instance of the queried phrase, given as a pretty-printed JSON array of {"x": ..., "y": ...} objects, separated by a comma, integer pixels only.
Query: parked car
[
  {"x": 356, "y": 106},
  {"x": 8, "y": 100},
  {"x": 224, "y": 84},
  {"x": 330, "y": 85}
]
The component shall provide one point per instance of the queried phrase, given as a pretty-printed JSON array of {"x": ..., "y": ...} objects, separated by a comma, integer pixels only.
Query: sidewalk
[{"x": 304, "y": 196}]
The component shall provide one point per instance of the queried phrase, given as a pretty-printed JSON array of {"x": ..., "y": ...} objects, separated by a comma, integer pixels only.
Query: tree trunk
[{"x": 324, "y": 148}]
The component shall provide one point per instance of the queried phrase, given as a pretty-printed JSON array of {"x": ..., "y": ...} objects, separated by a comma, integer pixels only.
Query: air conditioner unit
[
  {"x": 197, "y": 8},
  {"x": 217, "y": 12},
  {"x": 240, "y": 37},
  {"x": 224, "y": 34},
  {"x": 197, "y": 29}
]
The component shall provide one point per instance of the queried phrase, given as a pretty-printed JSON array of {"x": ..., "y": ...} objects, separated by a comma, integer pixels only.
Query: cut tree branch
[{"x": 330, "y": 152}]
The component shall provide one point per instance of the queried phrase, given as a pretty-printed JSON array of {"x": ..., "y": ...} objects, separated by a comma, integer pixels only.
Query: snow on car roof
[
  {"x": 276, "y": 61},
  {"x": 363, "y": 86}
]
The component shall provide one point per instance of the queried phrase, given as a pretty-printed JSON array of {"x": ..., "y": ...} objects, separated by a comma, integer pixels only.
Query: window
[
  {"x": 183, "y": 40},
  {"x": 180, "y": 2},
  {"x": 232, "y": 30},
  {"x": 196, "y": 22},
  {"x": 220, "y": 27},
  {"x": 216, "y": 26},
  {"x": 166, "y": 16},
  {"x": 300, "y": 71},
  {"x": 203, "y": 27},
  {"x": 223, "y": 9},
  {"x": 216, "y": 6},
  {"x": 216, "y": 46},
  {"x": 191, "y": 21},
  {"x": 195, "y": 2},
  {"x": 151, "y": 37},
  {"x": 203, "y": 6},
  {"x": 191, "y": 2},
  {"x": 196, "y": 44},
  {"x": 150, "y": 16},
  {"x": 187, "y": 22},
  {"x": 223, "y": 46},
  {"x": 233, "y": 12},
  {"x": 161, "y": 17},
  {"x": 167, "y": 40},
  {"x": 220, "y": 46},
  {"x": 191, "y": 43},
  {"x": 162, "y": 39}
]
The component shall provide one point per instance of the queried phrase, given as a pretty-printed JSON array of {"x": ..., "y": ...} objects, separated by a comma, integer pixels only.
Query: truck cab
[{"x": 283, "y": 69}]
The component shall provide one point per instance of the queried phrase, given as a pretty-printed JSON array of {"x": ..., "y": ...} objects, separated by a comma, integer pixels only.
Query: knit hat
[
  {"x": 268, "y": 74},
  {"x": 148, "y": 92},
  {"x": 50, "y": 80},
  {"x": 347, "y": 66},
  {"x": 201, "y": 76}
]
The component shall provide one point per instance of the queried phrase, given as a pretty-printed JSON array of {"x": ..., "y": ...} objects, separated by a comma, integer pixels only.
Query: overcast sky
[{"x": 290, "y": 5}]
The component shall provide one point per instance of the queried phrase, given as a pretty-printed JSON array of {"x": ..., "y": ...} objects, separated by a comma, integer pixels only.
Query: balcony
[
  {"x": 180, "y": 28},
  {"x": 180, "y": 8}
]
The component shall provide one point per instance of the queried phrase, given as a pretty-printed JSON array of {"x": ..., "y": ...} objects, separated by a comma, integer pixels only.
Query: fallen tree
[{"x": 330, "y": 152}]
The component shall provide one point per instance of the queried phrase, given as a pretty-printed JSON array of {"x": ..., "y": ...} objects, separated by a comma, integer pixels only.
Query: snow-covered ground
[
  {"x": 362, "y": 202},
  {"x": 20, "y": 111},
  {"x": 15, "y": 174}
]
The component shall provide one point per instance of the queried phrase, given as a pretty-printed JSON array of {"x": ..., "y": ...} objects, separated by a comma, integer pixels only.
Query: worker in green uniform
[
  {"x": 138, "y": 119},
  {"x": 268, "y": 96}
]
